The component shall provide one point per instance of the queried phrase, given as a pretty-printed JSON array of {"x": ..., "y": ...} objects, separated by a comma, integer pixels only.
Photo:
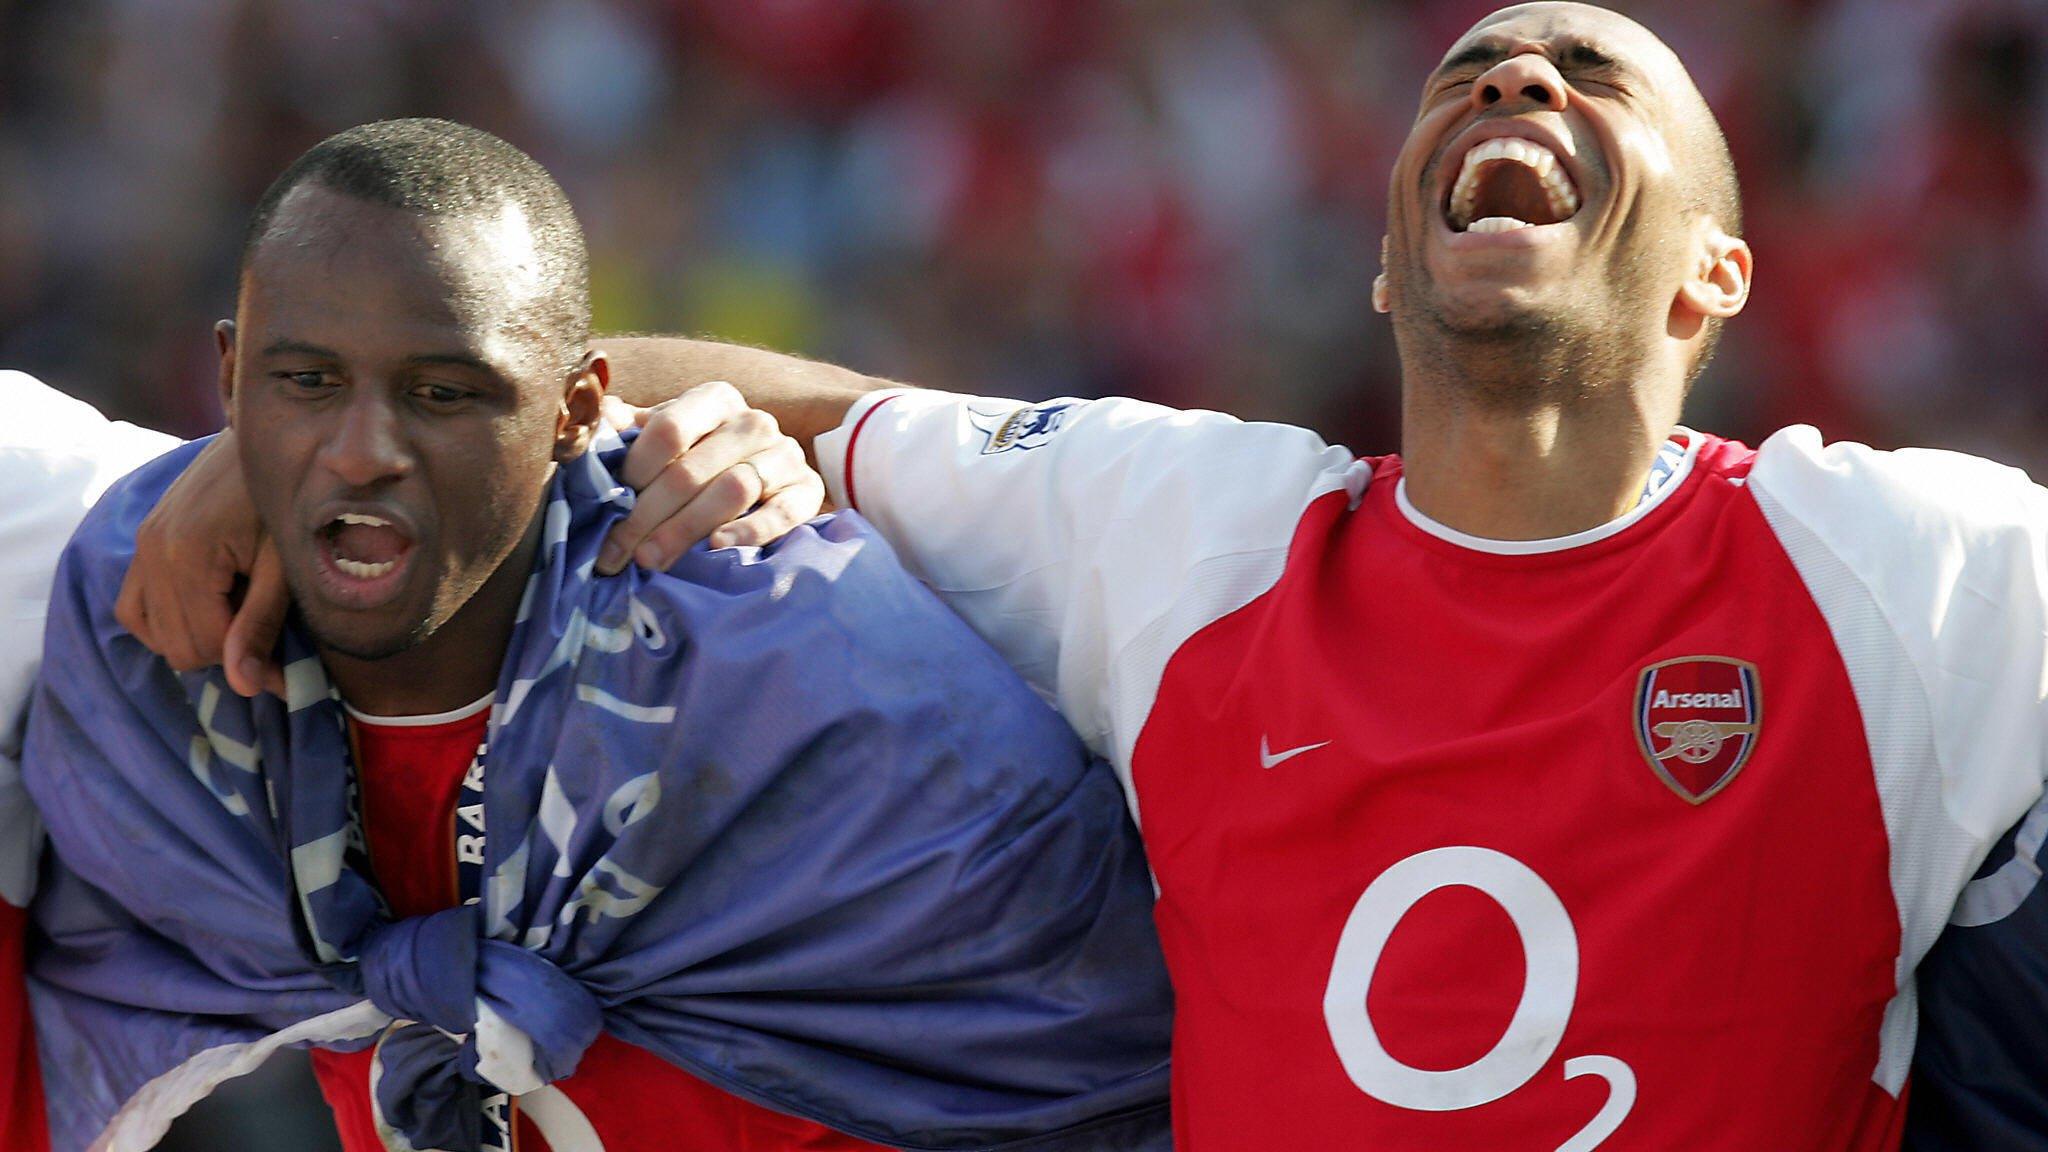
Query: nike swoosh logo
[{"x": 1267, "y": 758}]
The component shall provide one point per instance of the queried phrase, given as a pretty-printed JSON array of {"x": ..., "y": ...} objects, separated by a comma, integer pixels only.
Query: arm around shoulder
[{"x": 807, "y": 398}]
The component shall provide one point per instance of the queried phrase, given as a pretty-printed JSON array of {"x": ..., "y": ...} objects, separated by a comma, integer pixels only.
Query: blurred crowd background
[{"x": 1177, "y": 199}]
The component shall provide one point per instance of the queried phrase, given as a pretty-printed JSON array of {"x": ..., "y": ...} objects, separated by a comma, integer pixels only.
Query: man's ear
[
  {"x": 224, "y": 339},
  {"x": 576, "y": 421},
  {"x": 1718, "y": 285}
]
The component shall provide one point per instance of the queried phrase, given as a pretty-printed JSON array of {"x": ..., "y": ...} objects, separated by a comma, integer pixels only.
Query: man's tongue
[{"x": 368, "y": 543}]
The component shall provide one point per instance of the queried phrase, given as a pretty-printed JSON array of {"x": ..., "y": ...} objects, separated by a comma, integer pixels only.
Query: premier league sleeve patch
[
  {"x": 1696, "y": 721},
  {"x": 1020, "y": 429}
]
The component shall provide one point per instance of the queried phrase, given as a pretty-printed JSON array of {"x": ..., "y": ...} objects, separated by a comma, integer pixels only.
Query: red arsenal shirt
[
  {"x": 411, "y": 772},
  {"x": 1629, "y": 840}
]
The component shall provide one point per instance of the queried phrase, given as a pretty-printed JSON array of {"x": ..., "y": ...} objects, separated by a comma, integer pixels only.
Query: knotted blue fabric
[
  {"x": 775, "y": 816},
  {"x": 432, "y": 970}
]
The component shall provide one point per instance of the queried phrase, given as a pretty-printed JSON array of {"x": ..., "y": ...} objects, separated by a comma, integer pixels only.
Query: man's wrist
[{"x": 808, "y": 398}]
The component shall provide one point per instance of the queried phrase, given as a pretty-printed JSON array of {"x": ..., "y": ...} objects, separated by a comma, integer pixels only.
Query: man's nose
[
  {"x": 366, "y": 446},
  {"x": 1528, "y": 77}
]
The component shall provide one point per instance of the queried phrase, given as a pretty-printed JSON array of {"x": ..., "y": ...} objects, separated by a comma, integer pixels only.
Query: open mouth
[
  {"x": 1506, "y": 183},
  {"x": 365, "y": 556}
]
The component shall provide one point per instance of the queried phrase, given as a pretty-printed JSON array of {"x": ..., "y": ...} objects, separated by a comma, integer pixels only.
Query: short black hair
[
  {"x": 441, "y": 168},
  {"x": 1717, "y": 193}
]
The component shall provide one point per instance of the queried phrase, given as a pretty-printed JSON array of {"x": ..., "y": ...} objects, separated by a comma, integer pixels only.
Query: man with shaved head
[{"x": 1574, "y": 780}]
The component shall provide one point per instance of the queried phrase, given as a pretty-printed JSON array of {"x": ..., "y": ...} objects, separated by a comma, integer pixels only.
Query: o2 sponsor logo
[{"x": 1550, "y": 946}]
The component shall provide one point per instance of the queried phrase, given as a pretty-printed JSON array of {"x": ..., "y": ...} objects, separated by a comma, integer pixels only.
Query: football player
[{"x": 1574, "y": 779}]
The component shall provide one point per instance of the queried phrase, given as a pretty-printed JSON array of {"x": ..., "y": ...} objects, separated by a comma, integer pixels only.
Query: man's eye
[
  {"x": 306, "y": 381},
  {"x": 441, "y": 394},
  {"x": 1600, "y": 73}
]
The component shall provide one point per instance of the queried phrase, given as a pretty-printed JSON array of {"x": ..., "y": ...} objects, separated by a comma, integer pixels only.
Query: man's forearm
[{"x": 806, "y": 398}]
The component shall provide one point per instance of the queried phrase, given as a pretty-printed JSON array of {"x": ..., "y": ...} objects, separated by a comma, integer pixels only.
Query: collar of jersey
[
  {"x": 448, "y": 717},
  {"x": 1674, "y": 463}
]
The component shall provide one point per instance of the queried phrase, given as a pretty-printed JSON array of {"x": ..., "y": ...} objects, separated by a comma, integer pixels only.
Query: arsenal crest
[{"x": 1696, "y": 721}]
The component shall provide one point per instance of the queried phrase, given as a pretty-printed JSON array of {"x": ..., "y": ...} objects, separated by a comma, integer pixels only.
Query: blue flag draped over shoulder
[{"x": 775, "y": 815}]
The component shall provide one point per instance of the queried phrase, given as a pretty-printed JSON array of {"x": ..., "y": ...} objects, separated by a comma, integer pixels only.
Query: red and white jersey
[
  {"x": 1629, "y": 840},
  {"x": 56, "y": 456}
]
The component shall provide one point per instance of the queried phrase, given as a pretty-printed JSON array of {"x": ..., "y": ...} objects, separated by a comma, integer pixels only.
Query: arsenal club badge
[{"x": 1696, "y": 721}]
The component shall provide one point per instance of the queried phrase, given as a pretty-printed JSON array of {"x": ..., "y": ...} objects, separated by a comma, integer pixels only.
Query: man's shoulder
[
  {"x": 57, "y": 456},
  {"x": 35, "y": 411},
  {"x": 40, "y": 423},
  {"x": 129, "y": 496},
  {"x": 100, "y": 548},
  {"x": 1929, "y": 569},
  {"x": 833, "y": 590},
  {"x": 1945, "y": 544},
  {"x": 827, "y": 556},
  {"x": 1921, "y": 496}
]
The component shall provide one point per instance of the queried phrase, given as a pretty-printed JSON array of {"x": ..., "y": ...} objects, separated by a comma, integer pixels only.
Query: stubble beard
[
  {"x": 330, "y": 635},
  {"x": 334, "y": 629},
  {"x": 1514, "y": 357}
]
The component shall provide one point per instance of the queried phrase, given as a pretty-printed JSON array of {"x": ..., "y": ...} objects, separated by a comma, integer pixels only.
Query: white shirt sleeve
[
  {"x": 1085, "y": 539},
  {"x": 57, "y": 455},
  {"x": 1952, "y": 551},
  {"x": 1931, "y": 570}
]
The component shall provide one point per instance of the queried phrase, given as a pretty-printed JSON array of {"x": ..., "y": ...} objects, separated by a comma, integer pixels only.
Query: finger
[
  {"x": 619, "y": 414},
  {"x": 250, "y": 650},
  {"x": 721, "y": 388},
  {"x": 782, "y": 465},
  {"x": 192, "y": 622},
  {"x": 131, "y": 607},
  {"x": 682, "y": 481},
  {"x": 731, "y": 495},
  {"x": 774, "y": 519},
  {"x": 791, "y": 493},
  {"x": 671, "y": 429}
]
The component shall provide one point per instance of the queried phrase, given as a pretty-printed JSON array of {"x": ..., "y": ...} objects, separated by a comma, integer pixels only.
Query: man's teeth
[
  {"x": 362, "y": 570},
  {"x": 360, "y": 518},
  {"x": 1497, "y": 224},
  {"x": 1557, "y": 186}
]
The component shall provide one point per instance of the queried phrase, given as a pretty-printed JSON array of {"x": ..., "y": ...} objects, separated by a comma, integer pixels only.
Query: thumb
[{"x": 250, "y": 651}]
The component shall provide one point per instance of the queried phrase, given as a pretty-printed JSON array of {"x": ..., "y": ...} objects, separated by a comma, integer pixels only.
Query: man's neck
[
  {"x": 1533, "y": 473},
  {"x": 458, "y": 663}
]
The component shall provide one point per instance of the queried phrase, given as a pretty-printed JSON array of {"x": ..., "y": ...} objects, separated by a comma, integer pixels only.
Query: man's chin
[
  {"x": 1480, "y": 311},
  {"x": 358, "y": 642},
  {"x": 1472, "y": 286},
  {"x": 359, "y": 635}
]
